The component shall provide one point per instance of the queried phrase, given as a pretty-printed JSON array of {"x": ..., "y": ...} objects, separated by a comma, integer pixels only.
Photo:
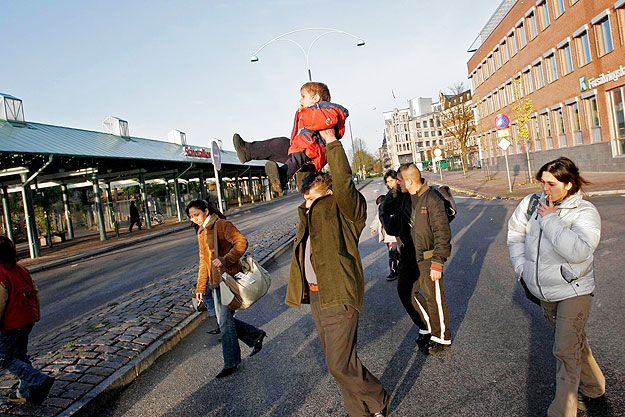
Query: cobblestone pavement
[
  {"x": 476, "y": 183},
  {"x": 85, "y": 353}
]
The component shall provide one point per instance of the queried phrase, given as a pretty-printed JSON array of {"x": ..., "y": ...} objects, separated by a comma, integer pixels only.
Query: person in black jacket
[
  {"x": 416, "y": 214},
  {"x": 134, "y": 216}
]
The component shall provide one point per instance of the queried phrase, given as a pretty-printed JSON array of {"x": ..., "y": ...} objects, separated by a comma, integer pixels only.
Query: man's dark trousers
[
  {"x": 432, "y": 305},
  {"x": 408, "y": 286},
  {"x": 337, "y": 328}
]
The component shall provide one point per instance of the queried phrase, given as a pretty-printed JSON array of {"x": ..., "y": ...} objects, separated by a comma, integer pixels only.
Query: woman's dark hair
[
  {"x": 8, "y": 255},
  {"x": 390, "y": 173},
  {"x": 565, "y": 171},
  {"x": 204, "y": 205},
  {"x": 379, "y": 200}
]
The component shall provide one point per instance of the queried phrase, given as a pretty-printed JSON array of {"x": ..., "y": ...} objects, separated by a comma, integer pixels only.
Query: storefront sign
[
  {"x": 588, "y": 84},
  {"x": 197, "y": 152}
]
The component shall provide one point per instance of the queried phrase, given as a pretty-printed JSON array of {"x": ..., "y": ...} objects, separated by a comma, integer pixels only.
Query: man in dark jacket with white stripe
[{"x": 427, "y": 227}]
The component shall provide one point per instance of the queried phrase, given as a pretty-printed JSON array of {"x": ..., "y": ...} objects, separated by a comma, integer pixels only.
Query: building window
[
  {"x": 527, "y": 82},
  {"x": 419, "y": 135},
  {"x": 532, "y": 26},
  {"x": 551, "y": 68},
  {"x": 496, "y": 58},
  {"x": 618, "y": 112},
  {"x": 603, "y": 36},
  {"x": 536, "y": 133},
  {"x": 512, "y": 44},
  {"x": 592, "y": 111},
  {"x": 558, "y": 8},
  {"x": 566, "y": 58},
  {"x": 504, "y": 52},
  {"x": 582, "y": 43},
  {"x": 432, "y": 133},
  {"x": 521, "y": 34},
  {"x": 427, "y": 134},
  {"x": 539, "y": 76},
  {"x": 543, "y": 12},
  {"x": 561, "y": 126},
  {"x": 574, "y": 117},
  {"x": 546, "y": 121},
  {"x": 620, "y": 11}
]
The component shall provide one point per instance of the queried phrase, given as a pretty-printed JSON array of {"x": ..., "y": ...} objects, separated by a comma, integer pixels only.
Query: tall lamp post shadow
[{"x": 283, "y": 37}]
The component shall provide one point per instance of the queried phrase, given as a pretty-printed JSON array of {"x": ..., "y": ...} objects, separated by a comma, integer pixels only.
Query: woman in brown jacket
[{"x": 231, "y": 247}]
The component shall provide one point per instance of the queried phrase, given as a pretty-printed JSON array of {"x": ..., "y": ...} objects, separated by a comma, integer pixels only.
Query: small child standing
[
  {"x": 19, "y": 310},
  {"x": 390, "y": 242},
  {"x": 306, "y": 148}
]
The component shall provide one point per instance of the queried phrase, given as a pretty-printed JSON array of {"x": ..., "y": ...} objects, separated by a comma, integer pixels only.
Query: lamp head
[
  {"x": 254, "y": 58},
  {"x": 360, "y": 42}
]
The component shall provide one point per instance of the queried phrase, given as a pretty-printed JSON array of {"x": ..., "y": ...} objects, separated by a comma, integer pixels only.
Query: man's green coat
[{"x": 334, "y": 223}]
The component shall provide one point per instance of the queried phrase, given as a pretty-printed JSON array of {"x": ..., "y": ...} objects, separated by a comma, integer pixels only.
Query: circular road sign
[
  {"x": 438, "y": 152},
  {"x": 216, "y": 155},
  {"x": 502, "y": 121}
]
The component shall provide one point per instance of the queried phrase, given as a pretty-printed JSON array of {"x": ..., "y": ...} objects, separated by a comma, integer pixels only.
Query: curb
[
  {"x": 100, "y": 251},
  {"x": 488, "y": 196},
  {"x": 128, "y": 373}
]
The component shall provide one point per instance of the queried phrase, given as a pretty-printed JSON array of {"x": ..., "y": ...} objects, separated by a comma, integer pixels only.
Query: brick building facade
[{"x": 569, "y": 58}]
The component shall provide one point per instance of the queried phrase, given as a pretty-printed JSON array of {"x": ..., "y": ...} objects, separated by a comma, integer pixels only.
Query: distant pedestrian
[
  {"x": 416, "y": 214},
  {"x": 389, "y": 240},
  {"x": 305, "y": 148},
  {"x": 326, "y": 271},
  {"x": 134, "y": 216},
  {"x": 231, "y": 247},
  {"x": 19, "y": 310},
  {"x": 552, "y": 238}
]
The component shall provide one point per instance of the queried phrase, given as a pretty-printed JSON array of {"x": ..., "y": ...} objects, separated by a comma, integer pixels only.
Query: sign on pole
[
  {"x": 504, "y": 144},
  {"x": 503, "y": 133},
  {"x": 216, "y": 159},
  {"x": 502, "y": 121}
]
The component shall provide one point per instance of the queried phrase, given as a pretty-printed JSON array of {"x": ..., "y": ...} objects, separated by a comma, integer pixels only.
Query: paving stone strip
[{"x": 84, "y": 355}]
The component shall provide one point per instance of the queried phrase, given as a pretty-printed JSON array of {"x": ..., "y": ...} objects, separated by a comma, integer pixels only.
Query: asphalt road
[
  {"x": 74, "y": 290},
  {"x": 499, "y": 365}
]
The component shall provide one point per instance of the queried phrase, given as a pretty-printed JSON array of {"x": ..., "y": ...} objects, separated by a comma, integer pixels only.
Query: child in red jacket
[
  {"x": 19, "y": 310},
  {"x": 305, "y": 149}
]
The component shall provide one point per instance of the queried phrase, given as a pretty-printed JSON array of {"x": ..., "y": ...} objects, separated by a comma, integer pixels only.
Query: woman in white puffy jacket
[{"x": 552, "y": 238}]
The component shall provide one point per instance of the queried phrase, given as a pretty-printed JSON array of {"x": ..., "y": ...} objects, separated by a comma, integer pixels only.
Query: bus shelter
[{"x": 34, "y": 156}]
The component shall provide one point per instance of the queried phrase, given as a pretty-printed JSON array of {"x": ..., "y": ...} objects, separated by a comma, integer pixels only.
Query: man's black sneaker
[
  {"x": 239, "y": 146},
  {"x": 422, "y": 342},
  {"x": 392, "y": 276},
  {"x": 435, "y": 347}
]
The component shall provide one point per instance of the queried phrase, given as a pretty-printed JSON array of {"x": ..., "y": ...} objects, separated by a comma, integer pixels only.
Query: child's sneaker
[{"x": 239, "y": 146}]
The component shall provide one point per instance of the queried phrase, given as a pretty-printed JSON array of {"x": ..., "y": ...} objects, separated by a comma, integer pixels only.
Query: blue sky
[{"x": 185, "y": 65}]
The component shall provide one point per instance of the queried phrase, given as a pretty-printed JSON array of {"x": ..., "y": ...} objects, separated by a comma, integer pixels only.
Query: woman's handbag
[{"x": 240, "y": 291}]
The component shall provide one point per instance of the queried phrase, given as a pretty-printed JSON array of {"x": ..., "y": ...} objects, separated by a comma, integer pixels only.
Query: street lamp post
[{"x": 283, "y": 37}]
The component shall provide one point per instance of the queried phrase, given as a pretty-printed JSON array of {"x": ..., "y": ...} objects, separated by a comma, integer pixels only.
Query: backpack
[{"x": 444, "y": 193}]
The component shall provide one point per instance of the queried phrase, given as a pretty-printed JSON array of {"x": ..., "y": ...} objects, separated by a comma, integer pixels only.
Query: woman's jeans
[
  {"x": 231, "y": 330},
  {"x": 576, "y": 367},
  {"x": 13, "y": 357}
]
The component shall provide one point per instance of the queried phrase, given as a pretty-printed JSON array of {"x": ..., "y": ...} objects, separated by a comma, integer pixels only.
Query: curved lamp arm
[{"x": 282, "y": 37}]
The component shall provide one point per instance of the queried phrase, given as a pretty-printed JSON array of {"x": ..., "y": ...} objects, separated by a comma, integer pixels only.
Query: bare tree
[
  {"x": 457, "y": 118},
  {"x": 523, "y": 109}
]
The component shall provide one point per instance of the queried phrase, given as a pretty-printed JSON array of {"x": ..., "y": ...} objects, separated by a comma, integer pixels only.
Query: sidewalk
[
  {"x": 476, "y": 184},
  {"x": 94, "y": 357}
]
